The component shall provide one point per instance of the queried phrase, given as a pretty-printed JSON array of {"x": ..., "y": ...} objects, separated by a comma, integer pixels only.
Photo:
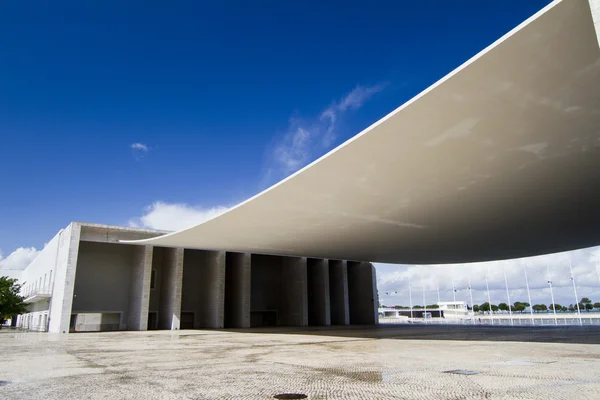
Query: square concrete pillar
[
  {"x": 237, "y": 290},
  {"x": 362, "y": 292},
  {"x": 595, "y": 9},
  {"x": 294, "y": 292},
  {"x": 61, "y": 303},
  {"x": 169, "y": 313},
  {"x": 338, "y": 292},
  {"x": 139, "y": 292},
  {"x": 211, "y": 290},
  {"x": 319, "y": 306}
]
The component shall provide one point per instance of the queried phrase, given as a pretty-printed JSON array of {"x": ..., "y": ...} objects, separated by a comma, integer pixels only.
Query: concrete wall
[
  {"x": 338, "y": 291},
  {"x": 265, "y": 282},
  {"x": 237, "y": 290},
  {"x": 169, "y": 310},
  {"x": 362, "y": 293},
  {"x": 103, "y": 282},
  {"x": 64, "y": 280},
  {"x": 319, "y": 305},
  {"x": 204, "y": 287},
  {"x": 40, "y": 273}
]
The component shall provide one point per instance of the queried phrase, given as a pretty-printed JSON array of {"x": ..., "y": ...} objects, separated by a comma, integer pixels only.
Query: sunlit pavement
[{"x": 386, "y": 362}]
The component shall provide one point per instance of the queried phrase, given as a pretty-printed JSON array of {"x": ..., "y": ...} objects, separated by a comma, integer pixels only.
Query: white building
[{"x": 87, "y": 279}]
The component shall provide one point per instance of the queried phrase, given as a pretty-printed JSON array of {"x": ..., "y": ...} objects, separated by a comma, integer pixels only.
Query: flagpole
[
  {"x": 551, "y": 294},
  {"x": 424, "y": 301},
  {"x": 528, "y": 295},
  {"x": 454, "y": 288},
  {"x": 437, "y": 284},
  {"x": 410, "y": 300},
  {"x": 507, "y": 294},
  {"x": 489, "y": 297},
  {"x": 471, "y": 296},
  {"x": 574, "y": 289}
]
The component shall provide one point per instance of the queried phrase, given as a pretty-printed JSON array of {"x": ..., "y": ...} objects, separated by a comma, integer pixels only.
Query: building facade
[{"x": 86, "y": 279}]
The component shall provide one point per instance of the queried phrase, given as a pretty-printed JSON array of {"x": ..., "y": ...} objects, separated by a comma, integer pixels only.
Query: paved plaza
[{"x": 386, "y": 362}]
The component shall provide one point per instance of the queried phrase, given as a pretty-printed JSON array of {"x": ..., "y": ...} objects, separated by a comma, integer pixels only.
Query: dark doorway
[
  {"x": 263, "y": 318},
  {"x": 187, "y": 320},
  {"x": 152, "y": 321}
]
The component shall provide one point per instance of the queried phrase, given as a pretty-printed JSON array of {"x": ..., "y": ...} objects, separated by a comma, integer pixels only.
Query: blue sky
[{"x": 150, "y": 113}]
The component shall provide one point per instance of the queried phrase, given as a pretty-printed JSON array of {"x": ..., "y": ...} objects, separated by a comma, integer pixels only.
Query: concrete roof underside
[{"x": 499, "y": 159}]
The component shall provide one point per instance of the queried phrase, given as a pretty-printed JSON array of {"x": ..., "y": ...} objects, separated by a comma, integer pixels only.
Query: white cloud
[
  {"x": 307, "y": 138},
  {"x": 18, "y": 259},
  {"x": 358, "y": 96},
  {"x": 394, "y": 279},
  {"x": 175, "y": 216},
  {"x": 140, "y": 146}
]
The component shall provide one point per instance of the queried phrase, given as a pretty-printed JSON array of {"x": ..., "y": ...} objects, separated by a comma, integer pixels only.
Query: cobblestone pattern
[{"x": 324, "y": 364}]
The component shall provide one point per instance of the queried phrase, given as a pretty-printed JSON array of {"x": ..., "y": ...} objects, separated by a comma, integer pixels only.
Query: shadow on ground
[{"x": 559, "y": 334}]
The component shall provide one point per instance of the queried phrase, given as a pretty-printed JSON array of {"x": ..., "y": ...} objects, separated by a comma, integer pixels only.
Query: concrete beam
[
  {"x": 362, "y": 292},
  {"x": 294, "y": 293},
  {"x": 170, "y": 291},
  {"x": 139, "y": 292},
  {"x": 237, "y": 290},
  {"x": 338, "y": 291},
  {"x": 211, "y": 288},
  {"x": 319, "y": 306}
]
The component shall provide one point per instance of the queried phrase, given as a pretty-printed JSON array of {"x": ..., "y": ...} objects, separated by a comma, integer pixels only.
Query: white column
[
  {"x": 169, "y": 313},
  {"x": 139, "y": 292},
  {"x": 212, "y": 291},
  {"x": 595, "y": 9},
  {"x": 66, "y": 266}
]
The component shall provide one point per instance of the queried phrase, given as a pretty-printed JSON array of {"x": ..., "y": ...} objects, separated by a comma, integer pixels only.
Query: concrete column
[
  {"x": 65, "y": 267},
  {"x": 338, "y": 291},
  {"x": 237, "y": 290},
  {"x": 294, "y": 293},
  {"x": 139, "y": 292},
  {"x": 319, "y": 307},
  {"x": 595, "y": 9},
  {"x": 169, "y": 312},
  {"x": 362, "y": 292},
  {"x": 211, "y": 289}
]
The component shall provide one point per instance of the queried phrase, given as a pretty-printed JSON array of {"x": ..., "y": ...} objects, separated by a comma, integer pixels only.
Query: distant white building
[{"x": 455, "y": 309}]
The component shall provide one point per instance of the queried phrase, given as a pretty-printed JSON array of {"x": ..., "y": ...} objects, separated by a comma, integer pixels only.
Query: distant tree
[
  {"x": 418, "y": 306},
  {"x": 476, "y": 308},
  {"x": 503, "y": 306},
  {"x": 494, "y": 307},
  {"x": 485, "y": 307},
  {"x": 586, "y": 303},
  {"x": 539, "y": 307},
  {"x": 564, "y": 309},
  {"x": 555, "y": 306},
  {"x": 597, "y": 305},
  {"x": 519, "y": 306},
  {"x": 433, "y": 307},
  {"x": 11, "y": 303},
  {"x": 572, "y": 307}
]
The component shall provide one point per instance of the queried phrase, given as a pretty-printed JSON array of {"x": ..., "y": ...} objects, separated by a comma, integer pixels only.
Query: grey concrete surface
[{"x": 391, "y": 362}]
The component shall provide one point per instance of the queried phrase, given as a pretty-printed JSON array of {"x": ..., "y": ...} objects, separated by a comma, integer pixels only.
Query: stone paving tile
[{"x": 333, "y": 363}]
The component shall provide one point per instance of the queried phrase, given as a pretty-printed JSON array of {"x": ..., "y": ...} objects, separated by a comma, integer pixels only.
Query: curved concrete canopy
[{"x": 499, "y": 159}]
